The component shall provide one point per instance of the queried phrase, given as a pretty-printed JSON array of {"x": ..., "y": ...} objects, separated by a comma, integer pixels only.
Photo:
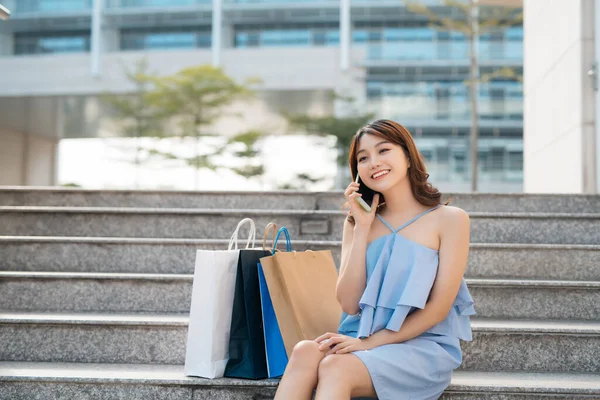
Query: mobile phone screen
[{"x": 367, "y": 194}]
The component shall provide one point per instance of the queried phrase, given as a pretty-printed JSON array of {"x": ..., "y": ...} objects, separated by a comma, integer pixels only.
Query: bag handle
[
  {"x": 251, "y": 236},
  {"x": 272, "y": 226},
  {"x": 288, "y": 242}
]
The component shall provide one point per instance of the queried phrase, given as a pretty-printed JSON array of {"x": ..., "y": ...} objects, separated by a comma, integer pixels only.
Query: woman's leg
[
  {"x": 342, "y": 376},
  {"x": 300, "y": 377}
]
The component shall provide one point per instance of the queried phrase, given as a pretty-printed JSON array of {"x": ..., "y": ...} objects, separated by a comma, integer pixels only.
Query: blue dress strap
[
  {"x": 409, "y": 222},
  {"x": 416, "y": 218},
  {"x": 385, "y": 222}
]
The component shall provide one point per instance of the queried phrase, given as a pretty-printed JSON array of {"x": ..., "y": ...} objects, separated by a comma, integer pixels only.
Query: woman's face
[{"x": 381, "y": 164}]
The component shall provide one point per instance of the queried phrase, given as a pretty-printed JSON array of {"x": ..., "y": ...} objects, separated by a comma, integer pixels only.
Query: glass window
[
  {"x": 513, "y": 50},
  {"x": 204, "y": 39},
  {"x": 167, "y": 39},
  {"x": 420, "y": 34},
  {"x": 427, "y": 155},
  {"x": 515, "y": 33},
  {"x": 54, "y": 6},
  {"x": 319, "y": 38},
  {"x": 442, "y": 155},
  {"x": 247, "y": 39},
  {"x": 282, "y": 37},
  {"x": 459, "y": 162},
  {"x": 43, "y": 43},
  {"x": 496, "y": 158},
  {"x": 515, "y": 160},
  {"x": 159, "y": 3},
  {"x": 360, "y": 36},
  {"x": 333, "y": 37},
  {"x": 326, "y": 38}
]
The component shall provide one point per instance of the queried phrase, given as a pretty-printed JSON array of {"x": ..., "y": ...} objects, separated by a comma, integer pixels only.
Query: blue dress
[{"x": 400, "y": 275}]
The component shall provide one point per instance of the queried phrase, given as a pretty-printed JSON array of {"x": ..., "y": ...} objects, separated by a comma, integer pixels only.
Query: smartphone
[{"x": 367, "y": 195}]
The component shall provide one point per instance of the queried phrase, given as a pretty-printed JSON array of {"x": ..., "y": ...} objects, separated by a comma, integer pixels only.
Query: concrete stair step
[
  {"x": 176, "y": 256},
  {"x": 499, "y": 345},
  {"x": 547, "y": 228},
  {"x": 293, "y": 200},
  {"x": 50, "y": 381},
  {"x": 171, "y": 293}
]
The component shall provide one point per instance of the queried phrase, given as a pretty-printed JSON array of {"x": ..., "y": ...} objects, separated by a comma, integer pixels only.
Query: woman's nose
[{"x": 375, "y": 163}]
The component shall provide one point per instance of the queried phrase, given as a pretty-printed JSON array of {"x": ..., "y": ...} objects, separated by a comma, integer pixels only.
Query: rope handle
[
  {"x": 271, "y": 226},
  {"x": 288, "y": 242},
  {"x": 251, "y": 236}
]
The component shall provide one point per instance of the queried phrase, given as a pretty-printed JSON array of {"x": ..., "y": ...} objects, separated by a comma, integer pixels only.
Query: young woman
[{"x": 404, "y": 300}]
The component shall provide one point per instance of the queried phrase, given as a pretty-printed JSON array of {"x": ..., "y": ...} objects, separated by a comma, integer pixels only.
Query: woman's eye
[
  {"x": 362, "y": 159},
  {"x": 382, "y": 150}
]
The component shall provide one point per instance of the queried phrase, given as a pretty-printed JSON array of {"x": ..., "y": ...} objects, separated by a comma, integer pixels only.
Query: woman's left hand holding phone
[{"x": 362, "y": 218}]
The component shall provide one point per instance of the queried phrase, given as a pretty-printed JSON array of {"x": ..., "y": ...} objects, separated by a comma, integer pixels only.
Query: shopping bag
[
  {"x": 247, "y": 357},
  {"x": 276, "y": 355},
  {"x": 302, "y": 288},
  {"x": 207, "y": 349}
]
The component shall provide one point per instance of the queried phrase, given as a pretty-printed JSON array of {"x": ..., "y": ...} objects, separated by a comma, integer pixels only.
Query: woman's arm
[
  {"x": 453, "y": 254},
  {"x": 353, "y": 272}
]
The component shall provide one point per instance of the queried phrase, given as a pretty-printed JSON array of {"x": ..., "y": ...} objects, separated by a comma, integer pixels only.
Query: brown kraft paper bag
[{"x": 302, "y": 287}]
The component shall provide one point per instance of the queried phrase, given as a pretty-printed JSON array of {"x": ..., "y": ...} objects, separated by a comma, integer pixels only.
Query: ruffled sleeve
[{"x": 400, "y": 283}]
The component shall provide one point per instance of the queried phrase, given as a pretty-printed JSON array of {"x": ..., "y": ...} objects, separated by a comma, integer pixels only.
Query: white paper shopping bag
[{"x": 213, "y": 289}]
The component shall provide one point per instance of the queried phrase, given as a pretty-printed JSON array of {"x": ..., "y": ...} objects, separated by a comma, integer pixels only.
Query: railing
[
  {"x": 153, "y": 3},
  {"x": 448, "y": 160},
  {"x": 424, "y": 102},
  {"x": 277, "y": 1},
  {"x": 52, "y": 6},
  {"x": 443, "y": 51}
]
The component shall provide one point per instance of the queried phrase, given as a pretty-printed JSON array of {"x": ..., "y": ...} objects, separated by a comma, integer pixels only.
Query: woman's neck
[{"x": 399, "y": 200}]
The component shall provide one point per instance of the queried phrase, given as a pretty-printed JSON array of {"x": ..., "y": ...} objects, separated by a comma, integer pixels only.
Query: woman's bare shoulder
[{"x": 451, "y": 216}]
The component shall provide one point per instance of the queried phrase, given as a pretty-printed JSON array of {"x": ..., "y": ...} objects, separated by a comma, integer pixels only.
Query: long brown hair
[{"x": 422, "y": 190}]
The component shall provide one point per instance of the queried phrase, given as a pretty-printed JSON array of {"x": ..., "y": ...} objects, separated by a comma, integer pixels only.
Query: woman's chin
[{"x": 384, "y": 186}]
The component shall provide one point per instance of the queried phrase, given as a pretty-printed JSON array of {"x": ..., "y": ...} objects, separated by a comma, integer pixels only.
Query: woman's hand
[
  {"x": 362, "y": 218},
  {"x": 334, "y": 343}
]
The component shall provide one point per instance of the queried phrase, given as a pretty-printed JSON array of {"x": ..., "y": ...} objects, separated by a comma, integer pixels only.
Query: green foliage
[
  {"x": 196, "y": 96},
  {"x": 302, "y": 181},
  {"x": 137, "y": 110},
  {"x": 193, "y": 98},
  {"x": 249, "y": 171}
]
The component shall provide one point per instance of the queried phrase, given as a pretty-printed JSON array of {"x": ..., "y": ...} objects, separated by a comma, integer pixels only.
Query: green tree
[
  {"x": 302, "y": 181},
  {"x": 136, "y": 111},
  {"x": 195, "y": 98},
  {"x": 343, "y": 128},
  {"x": 473, "y": 19}
]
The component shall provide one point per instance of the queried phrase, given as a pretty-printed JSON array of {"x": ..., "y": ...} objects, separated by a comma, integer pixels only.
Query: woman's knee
[
  {"x": 306, "y": 351},
  {"x": 332, "y": 366}
]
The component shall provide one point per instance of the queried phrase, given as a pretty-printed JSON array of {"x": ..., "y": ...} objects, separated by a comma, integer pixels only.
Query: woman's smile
[{"x": 380, "y": 174}]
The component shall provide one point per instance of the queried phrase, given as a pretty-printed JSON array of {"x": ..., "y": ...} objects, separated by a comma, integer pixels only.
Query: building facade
[
  {"x": 58, "y": 56},
  {"x": 562, "y": 136}
]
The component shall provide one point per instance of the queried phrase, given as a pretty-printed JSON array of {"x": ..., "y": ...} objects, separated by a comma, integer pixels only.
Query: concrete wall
[
  {"x": 11, "y": 158},
  {"x": 29, "y": 134},
  {"x": 27, "y": 159},
  {"x": 559, "y": 118},
  {"x": 39, "y": 116},
  {"x": 280, "y": 68},
  {"x": 6, "y": 41}
]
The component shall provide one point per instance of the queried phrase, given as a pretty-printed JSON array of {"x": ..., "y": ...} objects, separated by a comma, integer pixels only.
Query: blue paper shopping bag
[{"x": 275, "y": 349}]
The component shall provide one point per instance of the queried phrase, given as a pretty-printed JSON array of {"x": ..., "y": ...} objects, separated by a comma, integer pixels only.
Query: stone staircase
[{"x": 95, "y": 289}]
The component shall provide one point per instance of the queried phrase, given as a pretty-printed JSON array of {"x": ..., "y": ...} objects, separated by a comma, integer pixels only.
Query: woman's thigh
[{"x": 348, "y": 369}]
